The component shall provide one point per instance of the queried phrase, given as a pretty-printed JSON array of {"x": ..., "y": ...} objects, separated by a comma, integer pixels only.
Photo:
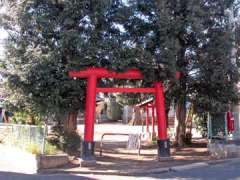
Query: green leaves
[{"x": 49, "y": 38}]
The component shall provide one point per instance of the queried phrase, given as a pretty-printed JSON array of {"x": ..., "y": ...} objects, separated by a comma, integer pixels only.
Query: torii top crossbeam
[{"x": 105, "y": 73}]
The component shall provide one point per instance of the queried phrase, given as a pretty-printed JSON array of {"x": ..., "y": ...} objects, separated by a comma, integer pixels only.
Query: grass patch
[
  {"x": 36, "y": 149},
  {"x": 33, "y": 149},
  {"x": 50, "y": 149}
]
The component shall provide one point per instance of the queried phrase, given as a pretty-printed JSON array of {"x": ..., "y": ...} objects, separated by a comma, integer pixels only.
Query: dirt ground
[{"x": 116, "y": 159}]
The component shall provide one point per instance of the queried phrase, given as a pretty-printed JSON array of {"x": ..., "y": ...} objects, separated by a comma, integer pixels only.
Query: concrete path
[
  {"x": 13, "y": 159},
  {"x": 224, "y": 170}
]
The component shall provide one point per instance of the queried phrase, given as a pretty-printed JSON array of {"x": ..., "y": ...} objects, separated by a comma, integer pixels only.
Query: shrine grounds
[{"x": 116, "y": 159}]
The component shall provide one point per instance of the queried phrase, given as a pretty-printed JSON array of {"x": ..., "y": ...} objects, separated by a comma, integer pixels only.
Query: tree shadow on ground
[
  {"x": 116, "y": 160},
  {"x": 22, "y": 176}
]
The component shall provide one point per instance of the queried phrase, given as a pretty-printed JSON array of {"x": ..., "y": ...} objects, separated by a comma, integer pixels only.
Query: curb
[
  {"x": 188, "y": 166},
  {"x": 177, "y": 168},
  {"x": 191, "y": 166},
  {"x": 171, "y": 169},
  {"x": 221, "y": 161},
  {"x": 152, "y": 171}
]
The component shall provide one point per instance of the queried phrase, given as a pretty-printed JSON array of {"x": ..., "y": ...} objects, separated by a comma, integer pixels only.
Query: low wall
[
  {"x": 52, "y": 161},
  {"x": 16, "y": 160},
  {"x": 220, "y": 150}
]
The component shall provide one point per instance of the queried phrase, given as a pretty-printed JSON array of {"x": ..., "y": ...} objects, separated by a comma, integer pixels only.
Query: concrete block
[
  {"x": 52, "y": 161},
  {"x": 163, "y": 159},
  {"x": 238, "y": 151},
  {"x": 231, "y": 150},
  {"x": 189, "y": 166},
  {"x": 16, "y": 160},
  {"x": 87, "y": 163},
  {"x": 220, "y": 150}
]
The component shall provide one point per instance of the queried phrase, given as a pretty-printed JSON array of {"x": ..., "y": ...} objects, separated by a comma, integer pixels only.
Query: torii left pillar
[
  {"x": 88, "y": 142},
  {"x": 163, "y": 141}
]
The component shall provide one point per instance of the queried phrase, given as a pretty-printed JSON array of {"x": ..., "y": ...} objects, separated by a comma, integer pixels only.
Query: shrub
[
  {"x": 33, "y": 149},
  {"x": 67, "y": 141},
  {"x": 22, "y": 117},
  {"x": 70, "y": 142},
  {"x": 50, "y": 149},
  {"x": 201, "y": 124},
  {"x": 36, "y": 149}
]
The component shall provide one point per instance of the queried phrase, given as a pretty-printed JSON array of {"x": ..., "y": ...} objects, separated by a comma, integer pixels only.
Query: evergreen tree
[
  {"x": 192, "y": 37},
  {"x": 48, "y": 38},
  {"x": 204, "y": 44}
]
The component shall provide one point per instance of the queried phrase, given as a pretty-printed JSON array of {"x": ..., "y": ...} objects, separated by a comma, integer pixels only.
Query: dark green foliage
[
  {"x": 49, "y": 38},
  {"x": 67, "y": 141},
  {"x": 204, "y": 45},
  {"x": 201, "y": 124},
  {"x": 70, "y": 142}
]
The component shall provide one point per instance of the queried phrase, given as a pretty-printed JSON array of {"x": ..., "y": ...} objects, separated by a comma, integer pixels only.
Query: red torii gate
[
  {"x": 92, "y": 74},
  {"x": 149, "y": 105}
]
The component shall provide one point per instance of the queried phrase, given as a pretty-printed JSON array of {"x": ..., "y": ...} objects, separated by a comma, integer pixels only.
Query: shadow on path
[{"x": 20, "y": 176}]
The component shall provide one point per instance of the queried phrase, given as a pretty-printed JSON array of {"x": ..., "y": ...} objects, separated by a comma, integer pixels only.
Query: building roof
[{"x": 143, "y": 103}]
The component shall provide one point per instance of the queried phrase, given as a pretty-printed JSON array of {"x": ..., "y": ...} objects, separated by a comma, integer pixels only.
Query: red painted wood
[
  {"x": 90, "y": 109},
  {"x": 178, "y": 74},
  {"x": 153, "y": 119},
  {"x": 160, "y": 108},
  {"x": 150, "y": 105},
  {"x": 127, "y": 90},
  {"x": 93, "y": 73},
  {"x": 105, "y": 73},
  {"x": 147, "y": 119}
]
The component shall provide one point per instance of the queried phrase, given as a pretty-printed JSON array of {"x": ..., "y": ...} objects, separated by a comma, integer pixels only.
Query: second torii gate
[{"x": 92, "y": 74}]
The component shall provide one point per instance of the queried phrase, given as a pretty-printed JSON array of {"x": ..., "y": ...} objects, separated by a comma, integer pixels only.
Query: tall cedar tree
[
  {"x": 204, "y": 44},
  {"x": 48, "y": 38}
]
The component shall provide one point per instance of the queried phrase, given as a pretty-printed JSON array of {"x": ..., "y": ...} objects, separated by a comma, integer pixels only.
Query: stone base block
[{"x": 87, "y": 163}]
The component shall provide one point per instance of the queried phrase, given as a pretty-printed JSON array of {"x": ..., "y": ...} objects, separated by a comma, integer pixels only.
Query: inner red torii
[
  {"x": 92, "y": 74},
  {"x": 149, "y": 104}
]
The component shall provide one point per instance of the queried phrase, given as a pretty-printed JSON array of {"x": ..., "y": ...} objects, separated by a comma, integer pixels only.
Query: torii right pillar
[{"x": 163, "y": 141}]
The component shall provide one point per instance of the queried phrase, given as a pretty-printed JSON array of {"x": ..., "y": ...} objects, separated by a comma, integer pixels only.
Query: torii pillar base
[
  {"x": 163, "y": 149},
  {"x": 87, "y": 151}
]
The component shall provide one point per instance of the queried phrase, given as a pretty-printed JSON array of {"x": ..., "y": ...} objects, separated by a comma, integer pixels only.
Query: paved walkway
[
  {"x": 214, "y": 171},
  {"x": 16, "y": 160}
]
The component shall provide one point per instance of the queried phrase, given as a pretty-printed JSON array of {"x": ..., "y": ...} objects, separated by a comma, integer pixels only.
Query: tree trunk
[
  {"x": 181, "y": 126},
  {"x": 188, "y": 137},
  {"x": 181, "y": 99},
  {"x": 31, "y": 120},
  {"x": 70, "y": 123}
]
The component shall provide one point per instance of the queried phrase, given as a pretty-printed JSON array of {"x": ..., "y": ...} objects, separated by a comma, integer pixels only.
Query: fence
[
  {"x": 22, "y": 135},
  {"x": 217, "y": 126}
]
